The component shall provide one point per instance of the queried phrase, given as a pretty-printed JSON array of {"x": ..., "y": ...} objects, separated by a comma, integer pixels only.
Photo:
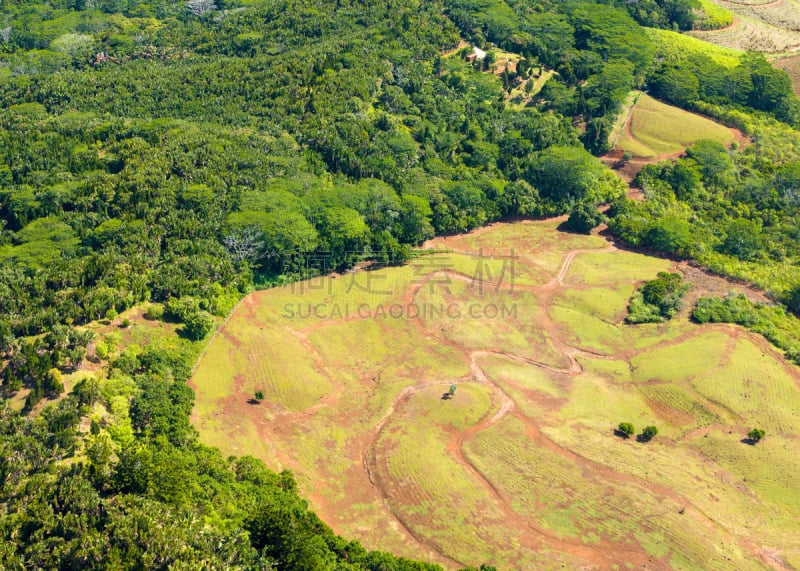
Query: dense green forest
[{"x": 184, "y": 152}]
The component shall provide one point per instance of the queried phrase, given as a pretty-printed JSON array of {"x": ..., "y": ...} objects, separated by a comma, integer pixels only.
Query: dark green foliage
[
  {"x": 259, "y": 396},
  {"x": 583, "y": 218},
  {"x": 160, "y": 502},
  {"x": 648, "y": 433},
  {"x": 565, "y": 175},
  {"x": 155, "y": 178},
  {"x": 626, "y": 429},
  {"x": 596, "y": 137},
  {"x": 199, "y": 156},
  {"x": 742, "y": 239},
  {"x": 198, "y": 325},
  {"x": 755, "y": 435},
  {"x": 696, "y": 78},
  {"x": 793, "y": 300},
  {"x": 657, "y": 300}
]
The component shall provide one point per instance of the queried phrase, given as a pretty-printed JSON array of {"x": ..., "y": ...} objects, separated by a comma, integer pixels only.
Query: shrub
[
  {"x": 583, "y": 218},
  {"x": 101, "y": 350},
  {"x": 756, "y": 434},
  {"x": 53, "y": 383},
  {"x": 626, "y": 428},
  {"x": 180, "y": 309},
  {"x": 648, "y": 433},
  {"x": 198, "y": 325},
  {"x": 11, "y": 380},
  {"x": 154, "y": 312},
  {"x": 657, "y": 300}
]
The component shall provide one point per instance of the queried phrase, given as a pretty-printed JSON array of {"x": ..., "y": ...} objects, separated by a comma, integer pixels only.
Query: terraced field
[
  {"x": 769, "y": 27},
  {"x": 520, "y": 467}
]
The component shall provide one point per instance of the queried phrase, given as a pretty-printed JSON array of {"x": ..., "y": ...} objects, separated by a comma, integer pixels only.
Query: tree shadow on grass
[
  {"x": 620, "y": 434},
  {"x": 749, "y": 441},
  {"x": 565, "y": 227},
  {"x": 253, "y": 401}
]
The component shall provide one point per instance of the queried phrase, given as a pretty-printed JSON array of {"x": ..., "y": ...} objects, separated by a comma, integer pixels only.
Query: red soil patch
[{"x": 367, "y": 482}]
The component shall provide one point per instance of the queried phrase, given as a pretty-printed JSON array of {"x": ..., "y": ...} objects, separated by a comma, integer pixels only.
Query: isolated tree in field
[
  {"x": 626, "y": 428},
  {"x": 648, "y": 433},
  {"x": 756, "y": 435},
  {"x": 583, "y": 218},
  {"x": 259, "y": 396},
  {"x": 201, "y": 7}
]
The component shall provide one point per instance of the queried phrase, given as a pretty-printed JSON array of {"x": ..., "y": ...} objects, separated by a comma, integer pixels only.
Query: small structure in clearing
[{"x": 477, "y": 54}]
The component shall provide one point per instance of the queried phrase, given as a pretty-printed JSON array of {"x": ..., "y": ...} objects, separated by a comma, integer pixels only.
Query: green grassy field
[
  {"x": 713, "y": 16},
  {"x": 660, "y": 129},
  {"x": 673, "y": 46},
  {"x": 520, "y": 468}
]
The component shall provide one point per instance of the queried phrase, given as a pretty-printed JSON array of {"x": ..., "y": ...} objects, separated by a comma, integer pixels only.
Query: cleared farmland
[
  {"x": 769, "y": 27},
  {"x": 520, "y": 467},
  {"x": 657, "y": 129},
  {"x": 791, "y": 65}
]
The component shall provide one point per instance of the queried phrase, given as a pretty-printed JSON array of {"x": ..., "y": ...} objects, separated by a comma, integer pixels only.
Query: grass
[
  {"x": 547, "y": 485},
  {"x": 674, "y": 46},
  {"x": 609, "y": 304},
  {"x": 784, "y": 15},
  {"x": 588, "y": 332},
  {"x": 437, "y": 497},
  {"x": 519, "y": 98},
  {"x": 688, "y": 359},
  {"x": 713, "y": 16},
  {"x": 532, "y": 252},
  {"x": 660, "y": 129},
  {"x": 675, "y": 404},
  {"x": 625, "y": 268},
  {"x": 754, "y": 386},
  {"x": 622, "y": 117}
]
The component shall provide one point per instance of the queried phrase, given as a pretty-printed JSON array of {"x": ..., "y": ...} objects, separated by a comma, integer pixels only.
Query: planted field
[
  {"x": 657, "y": 129},
  {"x": 780, "y": 13},
  {"x": 771, "y": 27},
  {"x": 461, "y": 410},
  {"x": 791, "y": 65}
]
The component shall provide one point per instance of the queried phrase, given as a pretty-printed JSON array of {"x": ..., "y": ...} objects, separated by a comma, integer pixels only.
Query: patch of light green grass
[
  {"x": 686, "y": 360},
  {"x": 613, "y": 268},
  {"x": 757, "y": 387}
]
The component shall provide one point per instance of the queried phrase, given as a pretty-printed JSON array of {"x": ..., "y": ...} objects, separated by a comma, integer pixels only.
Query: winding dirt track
[
  {"x": 601, "y": 555},
  {"x": 604, "y": 554}
]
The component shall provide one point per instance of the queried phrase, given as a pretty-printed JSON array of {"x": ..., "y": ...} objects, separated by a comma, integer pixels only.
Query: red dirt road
[{"x": 366, "y": 487}]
